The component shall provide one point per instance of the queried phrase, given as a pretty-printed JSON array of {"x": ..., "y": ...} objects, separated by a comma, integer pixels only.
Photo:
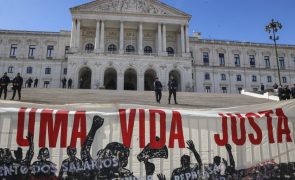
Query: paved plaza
[{"x": 185, "y": 100}]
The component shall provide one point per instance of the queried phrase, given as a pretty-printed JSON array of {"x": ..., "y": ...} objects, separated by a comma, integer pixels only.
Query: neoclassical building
[{"x": 125, "y": 44}]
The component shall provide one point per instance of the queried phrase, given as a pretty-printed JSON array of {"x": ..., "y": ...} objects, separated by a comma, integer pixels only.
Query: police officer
[
  {"x": 4, "y": 81},
  {"x": 158, "y": 90},
  {"x": 64, "y": 83},
  {"x": 36, "y": 83},
  {"x": 30, "y": 81},
  {"x": 172, "y": 85},
  {"x": 70, "y": 81},
  {"x": 17, "y": 83}
]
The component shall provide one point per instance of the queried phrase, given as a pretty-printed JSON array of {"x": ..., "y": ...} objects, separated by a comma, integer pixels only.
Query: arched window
[
  {"x": 239, "y": 78},
  {"x": 223, "y": 77},
  {"x": 170, "y": 51},
  {"x": 89, "y": 48},
  {"x": 130, "y": 49},
  {"x": 112, "y": 48},
  {"x": 148, "y": 50},
  {"x": 207, "y": 76}
]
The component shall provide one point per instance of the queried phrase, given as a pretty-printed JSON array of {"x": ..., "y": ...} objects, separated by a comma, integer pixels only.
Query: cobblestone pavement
[{"x": 185, "y": 100}]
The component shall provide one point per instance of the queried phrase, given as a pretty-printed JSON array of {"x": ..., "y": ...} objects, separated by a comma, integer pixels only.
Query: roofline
[
  {"x": 61, "y": 32},
  {"x": 194, "y": 39}
]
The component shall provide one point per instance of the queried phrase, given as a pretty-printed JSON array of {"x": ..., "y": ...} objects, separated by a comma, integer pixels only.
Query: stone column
[
  {"x": 159, "y": 38},
  {"x": 121, "y": 51},
  {"x": 182, "y": 39},
  {"x": 78, "y": 33},
  {"x": 140, "y": 82},
  {"x": 140, "y": 45},
  {"x": 73, "y": 34},
  {"x": 187, "y": 39},
  {"x": 164, "y": 39},
  {"x": 97, "y": 36},
  {"x": 120, "y": 81},
  {"x": 102, "y": 37}
]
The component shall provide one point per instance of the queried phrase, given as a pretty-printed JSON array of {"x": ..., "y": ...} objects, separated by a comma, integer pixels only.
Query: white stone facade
[{"x": 125, "y": 44}]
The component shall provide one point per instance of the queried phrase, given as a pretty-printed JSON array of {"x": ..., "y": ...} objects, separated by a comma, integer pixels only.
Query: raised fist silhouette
[{"x": 97, "y": 122}]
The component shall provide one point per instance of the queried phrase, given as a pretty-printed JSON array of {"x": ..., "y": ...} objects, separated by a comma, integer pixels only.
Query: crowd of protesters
[{"x": 284, "y": 92}]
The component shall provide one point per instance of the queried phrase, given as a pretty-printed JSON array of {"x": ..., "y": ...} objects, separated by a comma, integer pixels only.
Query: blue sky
[{"x": 241, "y": 20}]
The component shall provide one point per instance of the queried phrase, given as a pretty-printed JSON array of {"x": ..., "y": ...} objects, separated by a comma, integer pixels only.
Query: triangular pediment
[{"x": 152, "y": 7}]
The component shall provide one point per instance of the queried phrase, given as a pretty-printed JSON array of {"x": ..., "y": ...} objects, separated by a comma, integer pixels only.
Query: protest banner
[{"x": 132, "y": 142}]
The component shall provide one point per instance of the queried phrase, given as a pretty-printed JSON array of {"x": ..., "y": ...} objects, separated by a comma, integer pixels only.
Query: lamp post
[{"x": 272, "y": 28}]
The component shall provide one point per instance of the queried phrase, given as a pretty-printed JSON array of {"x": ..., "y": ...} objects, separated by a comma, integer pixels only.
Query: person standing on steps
[
  {"x": 172, "y": 86},
  {"x": 4, "y": 81},
  {"x": 158, "y": 90},
  {"x": 17, "y": 83},
  {"x": 36, "y": 83}
]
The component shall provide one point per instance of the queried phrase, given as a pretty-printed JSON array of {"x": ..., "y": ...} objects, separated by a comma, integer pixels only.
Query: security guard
[
  {"x": 172, "y": 85},
  {"x": 17, "y": 83},
  {"x": 4, "y": 81}
]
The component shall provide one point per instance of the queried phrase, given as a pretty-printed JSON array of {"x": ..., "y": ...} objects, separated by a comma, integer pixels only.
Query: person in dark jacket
[
  {"x": 172, "y": 85},
  {"x": 287, "y": 92},
  {"x": 17, "y": 83},
  {"x": 70, "y": 81},
  {"x": 64, "y": 82},
  {"x": 293, "y": 91},
  {"x": 275, "y": 86},
  {"x": 4, "y": 81},
  {"x": 281, "y": 93},
  {"x": 36, "y": 83},
  {"x": 158, "y": 89},
  {"x": 30, "y": 81},
  {"x": 262, "y": 88}
]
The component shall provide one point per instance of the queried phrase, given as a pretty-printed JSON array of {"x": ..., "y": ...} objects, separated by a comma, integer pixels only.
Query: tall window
[
  {"x": 254, "y": 78},
  {"x": 13, "y": 49},
  {"x": 170, "y": 51},
  {"x": 48, "y": 70},
  {"x": 237, "y": 60},
  {"x": 67, "y": 50},
  {"x": 130, "y": 49},
  {"x": 221, "y": 59},
  {"x": 269, "y": 79},
  {"x": 29, "y": 70},
  {"x": 112, "y": 48},
  {"x": 148, "y": 50},
  {"x": 89, "y": 48},
  {"x": 239, "y": 77},
  {"x": 10, "y": 69},
  {"x": 65, "y": 71},
  {"x": 207, "y": 76},
  {"x": 50, "y": 51},
  {"x": 284, "y": 79},
  {"x": 32, "y": 49},
  {"x": 223, "y": 77},
  {"x": 267, "y": 62},
  {"x": 224, "y": 89},
  {"x": 282, "y": 62},
  {"x": 206, "y": 58},
  {"x": 252, "y": 60}
]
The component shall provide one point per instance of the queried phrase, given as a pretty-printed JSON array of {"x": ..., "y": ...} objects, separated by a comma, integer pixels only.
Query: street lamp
[{"x": 272, "y": 28}]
